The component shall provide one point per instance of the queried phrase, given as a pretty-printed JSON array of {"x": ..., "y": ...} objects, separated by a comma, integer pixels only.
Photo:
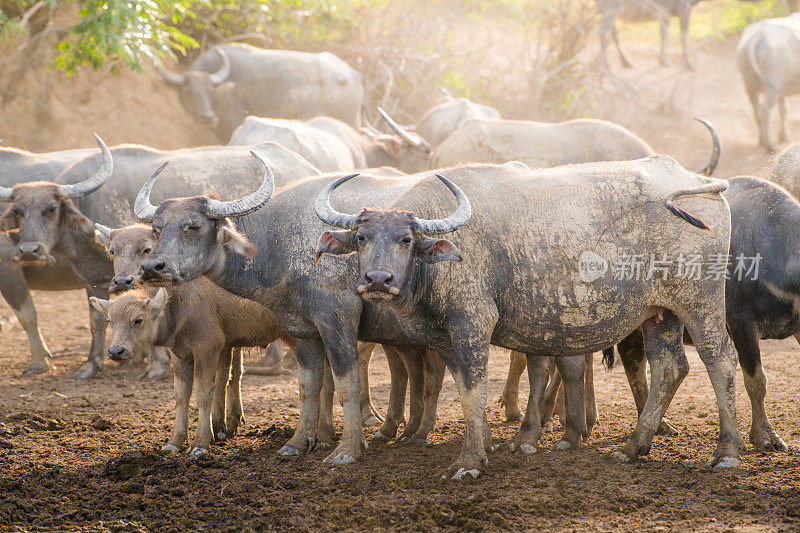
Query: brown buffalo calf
[{"x": 197, "y": 336}]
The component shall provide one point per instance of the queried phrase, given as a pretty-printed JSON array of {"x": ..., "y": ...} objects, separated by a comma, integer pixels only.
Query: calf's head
[
  {"x": 134, "y": 321},
  {"x": 388, "y": 242},
  {"x": 128, "y": 248},
  {"x": 43, "y": 211},
  {"x": 193, "y": 234}
]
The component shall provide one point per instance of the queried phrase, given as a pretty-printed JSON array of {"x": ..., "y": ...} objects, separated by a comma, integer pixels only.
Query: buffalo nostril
[
  {"x": 160, "y": 266},
  {"x": 368, "y": 278},
  {"x": 116, "y": 351},
  {"x": 388, "y": 279}
]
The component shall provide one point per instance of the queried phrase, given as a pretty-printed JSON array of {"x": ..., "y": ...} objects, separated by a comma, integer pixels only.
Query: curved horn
[
  {"x": 144, "y": 210},
  {"x": 371, "y": 130},
  {"x": 105, "y": 231},
  {"x": 248, "y": 204},
  {"x": 411, "y": 138},
  {"x": 716, "y": 149},
  {"x": 224, "y": 71},
  {"x": 326, "y": 213},
  {"x": 82, "y": 188},
  {"x": 169, "y": 77},
  {"x": 459, "y": 217}
]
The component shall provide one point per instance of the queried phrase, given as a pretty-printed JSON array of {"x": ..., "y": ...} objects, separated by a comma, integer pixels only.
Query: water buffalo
[
  {"x": 512, "y": 278},
  {"x": 226, "y": 169},
  {"x": 18, "y": 166},
  {"x": 267, "y": 83},
  {"x": 642, "y": 10},
  {"x": 200, "y": 338},
  {"x": 540, "y": 144},
  {"x": 760, "y": 297},
  {"x": 330, "y": 144},
  {"x": 767, "y": 58}
]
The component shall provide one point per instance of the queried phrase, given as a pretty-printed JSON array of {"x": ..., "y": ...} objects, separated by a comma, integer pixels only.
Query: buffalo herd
[{"x": 437, "y": 240}]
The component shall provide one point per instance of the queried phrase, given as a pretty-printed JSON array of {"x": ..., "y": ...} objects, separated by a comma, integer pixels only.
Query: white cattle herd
[{"x": 436, "y": 240}]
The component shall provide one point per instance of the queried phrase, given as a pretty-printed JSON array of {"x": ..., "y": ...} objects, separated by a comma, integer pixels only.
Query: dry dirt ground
[{"x": 84, "y": 455}]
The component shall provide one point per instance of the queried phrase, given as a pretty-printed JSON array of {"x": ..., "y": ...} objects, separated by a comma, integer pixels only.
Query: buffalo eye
[
  {"x": 361, "y": 239},
  {"x": 137, "y": 321},
  {"x": 192, "y": 228},
  {"x": 50, "y": 210},
  {"x": 146, "y": 251},
  {"x": 112, "y": 252},
  {"x": 406, "y": 240},
  {"x": 156, "y": 232}
]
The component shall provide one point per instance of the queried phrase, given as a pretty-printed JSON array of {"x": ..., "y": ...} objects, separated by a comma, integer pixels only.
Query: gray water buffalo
[
  {"x": 760, "y": 294},
  {"x": 18, "y": 166},
  {"x": 643, "y": 10},
  {"x": 767, "y": 56},
  {"x": 267, "y": 83},
  {"x": 226, "y": 169},
  {"x": 541, "y": 144},
  {"x": 512, "y": 277},
  {"x": 330, "y": 144},
  {"x": 444, "y": 118}
]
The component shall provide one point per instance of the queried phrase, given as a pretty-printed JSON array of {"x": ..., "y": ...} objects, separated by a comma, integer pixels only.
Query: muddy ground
[
  {"x": 85, "y": 455},
  {"x": 79, "y": 455}
]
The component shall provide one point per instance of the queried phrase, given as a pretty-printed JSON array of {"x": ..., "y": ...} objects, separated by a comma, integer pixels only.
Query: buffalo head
[
  {"x": 196, "y": 88},
  {"x": 388, "y": 241},
  {"x": 43, "y": 211},
  {"x": 194, "y": 233},
  {"x": 128, "y": 247},
  {"x": 134, "y": 322}
]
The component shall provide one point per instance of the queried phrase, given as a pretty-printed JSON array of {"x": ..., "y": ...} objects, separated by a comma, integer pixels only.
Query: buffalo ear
[
  {"x": 8, "y": 221},
  {"x": 235, "y": 242},
  {"x": 394, "y": 146},
  {"x": 101, "y": 305},
  {"x": 76, "y": 220},
  {"x": 435, "y": 250},
  {"x": 102, "y": 239},
  {"x": 338, "y": 242}
]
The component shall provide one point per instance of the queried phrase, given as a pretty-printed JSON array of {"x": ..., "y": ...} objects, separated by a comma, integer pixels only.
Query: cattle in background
[
  {"x": 229, "y": 82},
  {"x": 767, "y": 56},
  {"x": 525, "y": 223}
]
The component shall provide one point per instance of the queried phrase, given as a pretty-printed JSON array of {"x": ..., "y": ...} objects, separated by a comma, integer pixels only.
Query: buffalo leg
[
  {"x": 551, "y": 395},
  {"x": 668, "y": 367},
  {"x": 221, "y": 378},
  {"x": 784, "y": 136},
  {"x": 183, "y": 375},
  {"x": 310, "y": 369},
  {"x": 762, "y": 434},
  {"x": 510, "y": 395},
  {"x": 634, "y": 360},
  {"x": 685, "y": 17},
  {"x": 434, "y": 375},
  {"x": 98, "y": 325},
  {"x": 664, "y": 27},
  {"x": 591, "y": 401},
  {"x": 235, "y": 411},
  {"x": 325, "y": 431},
  {"x": 369, "y": 415},
  {"x": 397, "y": 395},
  {"x": 572, "y": 370},
  {"x": 415, "y": 367},
  {"x": 530, "y": 432},
  {"x": 204, "y": 370},
  {"x": 768, "y": 101}
]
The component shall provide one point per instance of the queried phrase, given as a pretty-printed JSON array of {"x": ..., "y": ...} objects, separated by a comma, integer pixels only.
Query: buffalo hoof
[
  {"x": 547, "y": 427},
  {"x": 220, "y": 436},
  {"x": 528, "y": 449},
  {"x": 36, "y": 368},
  {"x": 467, "y": 467},
  {"x": 340, "y": 458},
  {"x": 289, "y": 450},
  {"x": 666, "y": 429},
  {"x": 724, "y": 462},
  {"x": 197, "y": 451},
  {"x": 323, "y": 445},
  {"x": 565, "y": 445},
  {"x": 413, "y": 439},
  {"x": 768, "y": 441},
  {"x": 620, "y": 457},
  {"x": 372, "y": 421},
  {"x": 380, "y": 436},
  {"x": 88, "y": 371},
  {"x": 371, "y": 417},
  {"x": 170, "y": 448}
]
